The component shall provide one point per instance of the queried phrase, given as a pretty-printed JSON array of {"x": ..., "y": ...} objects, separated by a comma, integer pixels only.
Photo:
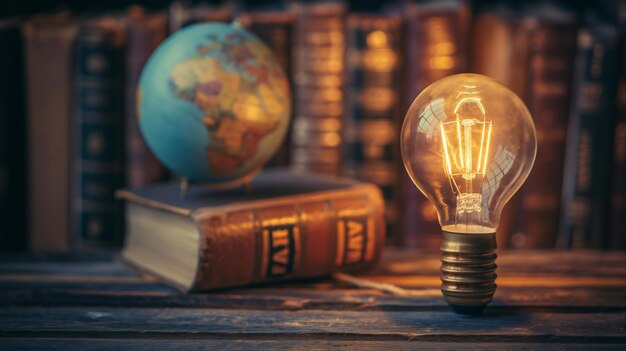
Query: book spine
[
  {"x": 145, "y": 33},
  {"x": 617, "y": 230},
  {"x": 372, "y": 107},
  {"x": 48, "y": 106},
  {"x": 587, "y": 161},
  {"x": 291, "y": 239},
  {"x": 13, "y": 165},
  {"x": 551, "y": 51},
  {"x": 97, "y": 162},
  {"x": 436, "y": 47},
  {"x": 498, "y": 51},
  {"x": 275, "y": 30},
  {"x": 318, "y": 71},
  {"x": 184, "y": 13}
]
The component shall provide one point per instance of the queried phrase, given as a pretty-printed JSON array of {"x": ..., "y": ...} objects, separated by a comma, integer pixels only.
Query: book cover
[
  {"x": 372, "y": 119},
  {"x": 274, "y": 27},
  {"x": 318, "y": 81},
  {"x": 287, "y": 226},
  {"x": 587, "y": 172},
  {"x": 97, "y": 151},
  {"x": 550, "y": 32},
  {"x": 145, "y": 33},
  {"x": 13, "y": 165},
  {"x": 436, "y": 42},
  {"x": 49, "y": 43}
]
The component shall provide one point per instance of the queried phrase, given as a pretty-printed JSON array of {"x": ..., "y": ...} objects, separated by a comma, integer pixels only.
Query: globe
[{"x": 213, "y": 104}]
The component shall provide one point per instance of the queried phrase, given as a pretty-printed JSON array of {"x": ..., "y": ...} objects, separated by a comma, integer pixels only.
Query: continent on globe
[
  {"x": 213, "y": 104},
  {"x": 240, "y": 91}
]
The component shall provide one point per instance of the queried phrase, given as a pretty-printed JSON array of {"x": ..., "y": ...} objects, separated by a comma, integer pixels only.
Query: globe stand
[
  {"x": 245, "y": 182},
  {"x": 468, "y": 271}
]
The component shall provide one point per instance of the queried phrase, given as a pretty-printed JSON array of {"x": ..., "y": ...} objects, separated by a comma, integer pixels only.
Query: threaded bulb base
[{"x": 468, "y": 271}]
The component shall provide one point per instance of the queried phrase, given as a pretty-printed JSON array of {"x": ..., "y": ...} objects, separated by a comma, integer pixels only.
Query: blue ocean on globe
[{"x": 213, "y": 103}]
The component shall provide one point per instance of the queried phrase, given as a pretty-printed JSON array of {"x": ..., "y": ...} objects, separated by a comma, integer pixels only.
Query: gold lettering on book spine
[
  {"x": 355, "y": 237},
  {"x": 281, "y": 246}
]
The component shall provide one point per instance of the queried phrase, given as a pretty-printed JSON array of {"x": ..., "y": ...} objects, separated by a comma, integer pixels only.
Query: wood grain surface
[{"x": 545, "y": 300}]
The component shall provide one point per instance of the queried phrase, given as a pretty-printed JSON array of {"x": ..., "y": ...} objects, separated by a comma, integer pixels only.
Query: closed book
[
  {"x": 551, "y": 35},
  {"x": 13, "y": 165},
  {"x": 318, "y": 46},
  {"x": 371, "y": 123},
  {"x": 49, "y": 43},
  {"x": 274, "y": 28},
  {"x": 145, "y": 33},
  {"x": 97, "y": 152},
  {"x": 437, "y": 33},
  {"x": 617, "y": 227},
  {"x": 287, "y": 226},
  {"x": 586, "y": 179}
]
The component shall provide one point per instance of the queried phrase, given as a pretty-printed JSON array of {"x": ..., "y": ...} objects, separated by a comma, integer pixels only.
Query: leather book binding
[{"x": 288, "y": 226}]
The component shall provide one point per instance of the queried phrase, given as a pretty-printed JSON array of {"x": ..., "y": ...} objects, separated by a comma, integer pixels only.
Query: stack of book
[{"x": 73, "y": 136}]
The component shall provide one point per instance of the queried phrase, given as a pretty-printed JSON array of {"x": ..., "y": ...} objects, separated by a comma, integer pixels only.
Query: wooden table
[{"x": 545, "y": 300}]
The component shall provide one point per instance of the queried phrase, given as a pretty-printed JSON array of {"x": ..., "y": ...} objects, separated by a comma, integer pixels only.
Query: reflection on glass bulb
[{"x": 468, "y": 143}]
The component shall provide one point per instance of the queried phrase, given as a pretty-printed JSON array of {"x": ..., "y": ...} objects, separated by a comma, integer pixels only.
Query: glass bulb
[{"x": 468, "y": 143}]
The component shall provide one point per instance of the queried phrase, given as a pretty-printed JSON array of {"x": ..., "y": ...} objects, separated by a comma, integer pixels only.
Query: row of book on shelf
[{"x": 69, "y": 136}]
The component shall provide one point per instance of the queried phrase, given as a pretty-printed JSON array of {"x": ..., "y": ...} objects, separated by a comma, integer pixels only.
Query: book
[
  {"x": 49, "y": 43},
  {"x": 499, "y": 50},
  {"x": 318, "y": 82},
  {"x": 617, "y": 211},
  {"x": 274, "y": 28},
  {"x": 182, "y": 13},
  {"x": 97, "y": 151},
  {"x": 13, "y": 165},
  {"x": 371, "y": 123},
  {"x": 145, "y": 33},
  {"x": 550, "y": 33},
  {"x": 287, "y": 226},
  {"x": 587, "y": 172},
  {"x": 436, "y": 42}
]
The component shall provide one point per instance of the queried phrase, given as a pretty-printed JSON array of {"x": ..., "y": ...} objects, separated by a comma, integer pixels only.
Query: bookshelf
[{"x": 547, "y": 52}]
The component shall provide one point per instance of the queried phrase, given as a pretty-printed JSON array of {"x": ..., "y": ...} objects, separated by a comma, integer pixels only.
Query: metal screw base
[{"x": 468, "y": 271}]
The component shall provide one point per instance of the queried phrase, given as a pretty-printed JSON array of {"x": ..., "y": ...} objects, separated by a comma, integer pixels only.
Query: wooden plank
[
  {"x": 71, "y": 268},
  {"x": 547, "y": 263},
  {"x": 419, "y": 281},
  {"x": 555, "y": 300},
  {"x": 375, "y": 325},
  {"x": 45, "y": 257},
  {"x": 395, "y": 262},
  {"x": 67, "y": 283},
  {"x": 89, "y": 344}
]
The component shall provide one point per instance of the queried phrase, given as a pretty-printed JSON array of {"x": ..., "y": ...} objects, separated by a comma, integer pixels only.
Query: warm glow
[
  {"x": 470, "y": 135},
  {"x": 377, "y": 39},
  {"x": 468, "y": 143}
]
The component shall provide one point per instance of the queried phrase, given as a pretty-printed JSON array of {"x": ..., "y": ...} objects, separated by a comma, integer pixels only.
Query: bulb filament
[{"x": 466, "y": 151}]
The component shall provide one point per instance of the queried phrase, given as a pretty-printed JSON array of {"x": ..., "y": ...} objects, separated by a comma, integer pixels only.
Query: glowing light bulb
[{"x": 468, "y": 143}]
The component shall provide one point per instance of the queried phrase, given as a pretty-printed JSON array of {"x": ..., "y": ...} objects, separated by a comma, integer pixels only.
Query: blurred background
[{"x": 355, "y": 67}]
